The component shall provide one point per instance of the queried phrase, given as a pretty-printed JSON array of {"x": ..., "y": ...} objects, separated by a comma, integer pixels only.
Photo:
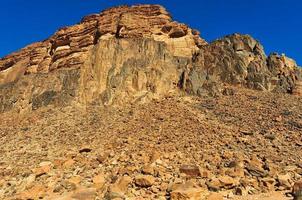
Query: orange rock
[
  {"x": 75, "y": 180},
  {"x": 214, "y": 196},
  {"x": 144, "y": 180},
  {"x": 99, "y": 181},
  {"x": 84, "y": 194},
  {"x": 42, "y": 170},
  {"x": 35, "y": 192},
  {"x": 58, "y": 163},
  {"x": 186, "y": 192},
  {"x": 68, "y": 164},
  {"x": 118, "y": 189},
  {"x": 190, "y": 170},
  {"x": 297, "y": 190},
  {"x": 297, "y": 90}
]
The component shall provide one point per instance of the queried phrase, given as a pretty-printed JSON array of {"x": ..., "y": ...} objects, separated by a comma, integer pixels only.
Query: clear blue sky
[{"x": 276, "y": 23}]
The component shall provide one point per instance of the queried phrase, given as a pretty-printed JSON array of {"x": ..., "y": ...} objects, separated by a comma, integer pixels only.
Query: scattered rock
[
  {"x": 165, "y": 83},
  {"x": 144, "y": 180},
  {"x": 297, "y": 190},
  {"x": 99, "y": 181},
  {"x": 85, "y": 150},
  {"x": 84, "y": 194},
  {"x": 186, "y": 192},
  {"x": 284, "y": 181},
  {"x": 119, "y": 188},
  {"x": 214, "y": 196},
  {"x": 190, "y": 170},
  {"x": 43, "y": 169}
]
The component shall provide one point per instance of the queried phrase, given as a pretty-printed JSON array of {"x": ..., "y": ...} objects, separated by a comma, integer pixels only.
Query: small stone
[
  {"x": 186, "y": 192},
  {"x": 29, "y": 180},
  {"x": 35, "y": 192},
  {"x": 245, "y": 132},
  {"x": 119, "y": 188},
  {"x": 269, "y": 183},
  {"x": 99, "y": 181},
  {"x": 129, "y": 170},
  {"x": 68, "y": 164},
  {"x": 144, "y": 180},
  {"x": 75, "y": 180},
  {"x": 297, "y": 190},
  {"x": 155, "y": 156},
  {"x": 85, "y": 150},
  {"x": 214, "y": 196},
  {"x": 228, "y": 182},
  {"x": 214, "y": 184},
  {"x": 190, "y": 170},
  {"x": 148, "y": 170},
  {"x": 102, "y": 157},
  {"x": 270, "y": 136},
  {"x": 44, "y": 169},
  {"x": 284, "y": 181},
  {"x": 278, "y": 119},
  {"x": 84, "y": 194}
]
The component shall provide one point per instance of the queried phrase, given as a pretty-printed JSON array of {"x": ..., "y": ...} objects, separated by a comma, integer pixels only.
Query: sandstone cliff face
[
  {"x": 126, "y": 70},
  {"x": 126, "y": 54}
]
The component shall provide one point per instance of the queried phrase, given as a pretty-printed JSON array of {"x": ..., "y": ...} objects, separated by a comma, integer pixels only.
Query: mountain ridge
[
  {"x": 129, "y": 104},
  {"x": 104, "y": 74}
]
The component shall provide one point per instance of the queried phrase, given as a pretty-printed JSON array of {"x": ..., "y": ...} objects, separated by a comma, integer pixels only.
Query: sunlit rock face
[
  {"x": 132, "y": 54},
  {"x": 240, "y": 60}
]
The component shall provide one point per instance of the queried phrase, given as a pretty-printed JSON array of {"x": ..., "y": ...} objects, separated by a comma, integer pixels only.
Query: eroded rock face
[
  {"x": 285, "y": 72},
  {"x": 32, "y": 92},
  {"x": 125, "y": 70},
  {"x": 67, "y": 47},
  {"x": 122, "y": 54},
  {"x": 128, "y": 54},
  {"x": 239, "y": 60}
]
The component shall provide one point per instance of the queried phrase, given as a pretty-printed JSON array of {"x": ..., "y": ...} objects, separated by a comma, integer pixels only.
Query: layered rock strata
[{"x": 131, "y": 53}]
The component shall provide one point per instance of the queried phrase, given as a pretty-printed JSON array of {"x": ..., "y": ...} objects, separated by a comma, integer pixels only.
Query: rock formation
[
  {"x": 236, "y": 134},
  {"x": 240, "y": 60},
  {"x": 126, "y": 54}
]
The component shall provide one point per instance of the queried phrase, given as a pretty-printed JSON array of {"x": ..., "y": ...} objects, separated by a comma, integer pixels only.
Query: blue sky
[{"x": 277, "y": 24}]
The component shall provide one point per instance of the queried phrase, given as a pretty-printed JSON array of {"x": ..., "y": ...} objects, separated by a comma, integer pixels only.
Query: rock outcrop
[
  {"x": 131, "y": 53},
  {"x": 240, "y": 60}
]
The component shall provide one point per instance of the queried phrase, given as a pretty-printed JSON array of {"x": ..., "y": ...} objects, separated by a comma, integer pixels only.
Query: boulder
[
  {"x": 297, "y": 190},
  {"x": 190, "y": 170},
  {"x": 144, "y": 180},
  {"x": 186, "y": 192}
]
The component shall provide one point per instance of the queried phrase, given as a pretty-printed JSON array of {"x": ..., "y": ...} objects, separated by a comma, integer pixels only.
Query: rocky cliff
[
  {"x": 127, "y": 54},
  {"x": 219, "y": 120}
]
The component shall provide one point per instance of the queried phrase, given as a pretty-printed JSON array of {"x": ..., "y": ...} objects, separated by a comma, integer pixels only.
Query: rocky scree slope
[
  {"x": 224, "y": 138},
  {"x": 177, "y": 147},
  {"x": 136, "y": 53}
]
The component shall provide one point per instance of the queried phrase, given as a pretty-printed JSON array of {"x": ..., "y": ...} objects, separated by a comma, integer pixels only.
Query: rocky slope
[
  {"x": 178, "y": 147},
  {"x": 129, "y": 104}
]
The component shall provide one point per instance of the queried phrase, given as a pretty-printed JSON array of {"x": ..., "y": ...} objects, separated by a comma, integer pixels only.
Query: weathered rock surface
[
  {"x": 240, "y": 60},
  {"x": 297, "y": 190},
  {"x": 236, "y": 141},
  {"x": 136, "y": 53},
  {"x": 177, "y": 147},
  {"x": 124, "y": 52}
]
